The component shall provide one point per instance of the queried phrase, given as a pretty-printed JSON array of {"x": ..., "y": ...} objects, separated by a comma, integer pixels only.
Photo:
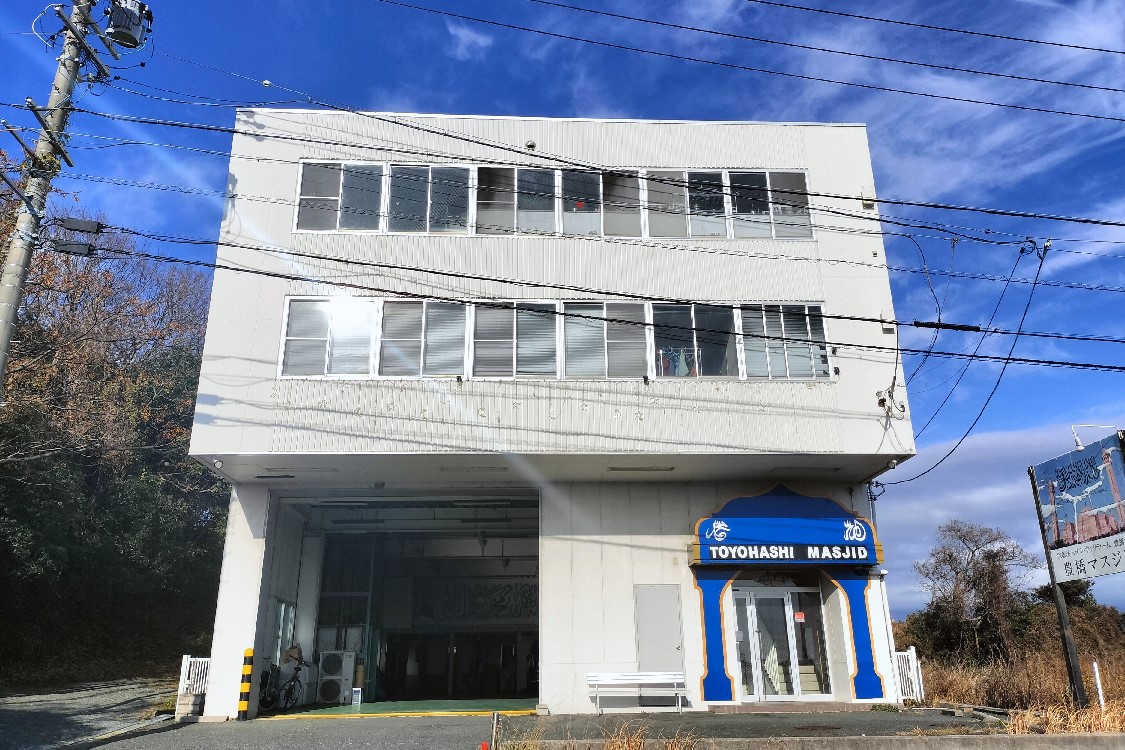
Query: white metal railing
[
  {"x": 193, "y": 675},
  {"x": 909, "y": 672}
]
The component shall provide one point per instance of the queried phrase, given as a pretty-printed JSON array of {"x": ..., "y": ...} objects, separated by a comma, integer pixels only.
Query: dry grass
[
  {"x": 1062, "y": 719},
  {"x": 531, "y": 740},
  {"x": 626, "y": 736}
]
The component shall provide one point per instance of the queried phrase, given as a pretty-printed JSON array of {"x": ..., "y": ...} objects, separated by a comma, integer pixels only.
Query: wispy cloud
[{"x": 466, "y": 43}]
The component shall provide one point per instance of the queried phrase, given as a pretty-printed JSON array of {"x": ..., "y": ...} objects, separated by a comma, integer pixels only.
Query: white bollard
[{"x": 1098, "y": 682}]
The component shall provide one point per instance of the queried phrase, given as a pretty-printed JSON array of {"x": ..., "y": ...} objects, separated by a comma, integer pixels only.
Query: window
[
  {"x": 332, "y": 337},
  {"x": 694, "y": 341},
  {"x": 529, "y": 201},
  {"x": 622, "y": 196},
  {"x": 409, "y": 190},
  {"x": 625, "y": 340},
  {"x": 306, "y": 338},
  {"x": 496, "y": 200},
  {"x": 400, "y": 351},
  {"x": 444, "y": 335},
  {"x": 449, "y": 200},
  {"x": 790, "y": 204},
  {"x": 535, "y": 339},
  {"x": 784, "y": 341},
  {"x": 750, "y": 205},
  {"x": 667, "y": 204},
  {"x": 535, "y": 201},
  {"x": 494, "y": 340},
  {"x": 340, "y": 196},
  {"x": 585, "y": 335},
  {"x": 705, "y": 201},
  {"x": 581, "y": 203},
  {"x": 320, "y": 196},
  {"x": 363, "y": 192}
]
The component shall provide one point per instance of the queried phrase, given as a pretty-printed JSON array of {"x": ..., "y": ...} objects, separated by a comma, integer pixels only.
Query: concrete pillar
[
  {"x": 241, "y": 600},
  {"x": 308, "y": 594}
]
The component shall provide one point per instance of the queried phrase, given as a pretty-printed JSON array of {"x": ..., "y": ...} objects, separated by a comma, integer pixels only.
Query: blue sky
[{"x": 370, "y": 55}]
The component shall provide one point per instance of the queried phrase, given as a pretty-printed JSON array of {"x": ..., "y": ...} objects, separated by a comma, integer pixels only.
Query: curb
[
  {"x": 98, "y": 739},
  {"x": 396, "y": 715}
]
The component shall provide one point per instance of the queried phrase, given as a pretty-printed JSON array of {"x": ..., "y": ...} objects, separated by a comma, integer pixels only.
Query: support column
[
  {"x": 308, "y": 594},
  {"x": 241, "y": 600}
]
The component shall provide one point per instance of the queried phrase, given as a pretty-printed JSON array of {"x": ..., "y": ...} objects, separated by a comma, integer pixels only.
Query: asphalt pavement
[{"x": 53, "y": 718}]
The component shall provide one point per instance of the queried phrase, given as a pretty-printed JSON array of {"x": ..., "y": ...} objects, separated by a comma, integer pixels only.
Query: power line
[
  {"x": 932, "y": 27},
  {"x": 811, "y": 48},
  {"x": 804, "y": 193},
  {"x": 995, "y": 387},
  {"x": 1096, "y": 366},
  {"x": 753, "y": 69},
  {"x": 174, "y": 239},
  {"x": 643, "y": 242}
]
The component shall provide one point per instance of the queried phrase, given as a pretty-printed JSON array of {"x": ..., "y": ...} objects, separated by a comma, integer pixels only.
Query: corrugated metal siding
[{"x": 552, "y": 416}]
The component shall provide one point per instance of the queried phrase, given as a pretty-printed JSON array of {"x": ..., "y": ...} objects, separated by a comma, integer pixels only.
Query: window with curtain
[
  {"x": 400, "y": 350},
  {"x": 443, "y": 352},
  {"x": 585, "y": 336},
  {"x": 626, "y": 342},
  {"x": 496, "y": 200},
  {"x": 784, "y": 341}
]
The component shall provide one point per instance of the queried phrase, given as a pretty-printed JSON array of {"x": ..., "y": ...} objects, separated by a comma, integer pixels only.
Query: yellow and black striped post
[{"x": 244, "y": 691}]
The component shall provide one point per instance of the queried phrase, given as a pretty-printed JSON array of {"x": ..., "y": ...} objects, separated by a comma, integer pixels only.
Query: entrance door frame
[{"x": 744, "y": 595}]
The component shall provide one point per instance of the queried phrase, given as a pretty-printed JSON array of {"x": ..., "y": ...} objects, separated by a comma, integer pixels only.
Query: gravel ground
[{"x": 50, "y": 718}]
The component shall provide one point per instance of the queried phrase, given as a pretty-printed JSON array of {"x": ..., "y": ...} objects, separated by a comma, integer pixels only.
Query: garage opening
[{"x": 436, "y": 598}]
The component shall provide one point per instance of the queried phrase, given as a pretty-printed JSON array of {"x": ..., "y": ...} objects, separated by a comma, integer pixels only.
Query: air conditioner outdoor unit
[{"x": 337, "y": 669}]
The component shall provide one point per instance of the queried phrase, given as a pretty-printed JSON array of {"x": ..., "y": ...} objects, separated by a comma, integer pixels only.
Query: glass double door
[{"x": 780, "y": 644}]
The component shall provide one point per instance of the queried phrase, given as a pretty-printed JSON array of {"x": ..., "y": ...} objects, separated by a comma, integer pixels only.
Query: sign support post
[{"x": 1070, "y": 654}]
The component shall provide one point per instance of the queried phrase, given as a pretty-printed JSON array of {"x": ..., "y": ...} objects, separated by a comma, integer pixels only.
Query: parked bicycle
[{"x": 285, "y": 696}]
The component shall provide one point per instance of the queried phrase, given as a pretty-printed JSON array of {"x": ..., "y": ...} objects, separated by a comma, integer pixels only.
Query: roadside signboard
[{"x": 1081, "y": 498}]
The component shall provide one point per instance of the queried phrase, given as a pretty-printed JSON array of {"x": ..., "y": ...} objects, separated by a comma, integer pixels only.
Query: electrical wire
[
  {"x": 812, "y": 48},
  {"x": 753, "y": 69},
  {"x": 995, "y": 387},
  {"x": 931, "y": 27},
  {"x": 937, "y": 305}
]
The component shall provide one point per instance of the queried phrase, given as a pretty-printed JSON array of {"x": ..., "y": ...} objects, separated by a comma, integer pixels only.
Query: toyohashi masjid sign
[{"x": 799, "y": 531}]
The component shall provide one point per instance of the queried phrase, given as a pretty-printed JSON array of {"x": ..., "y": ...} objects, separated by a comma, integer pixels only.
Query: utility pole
[{"x": 127, "y": 27}]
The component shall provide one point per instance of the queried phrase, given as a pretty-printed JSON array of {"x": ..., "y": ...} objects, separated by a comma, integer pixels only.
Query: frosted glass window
[
  {"x": 535, "y": 339},
  {"x": 353, "y": 322},
  {"x": 626, "y": 341},
  {"x": 496, "y": 200},
  {"x": 449, "y": 200},
  {"x": 754, "y": 341},
  {"x": 535, "y": 207},
  {"x": 306, "y": 338},
  {"x": 400, "y": 351},
  {"x": 584, "y": 332},
  {"x": 363, "y": 192},
  {"x": 409, "y": 189},
  {"x": 444, "y": 351},
  {"x": 790, "y": 204},
  {"x": 581, "y": 194},
  {"x": 750, "y": 205},
  {"x": 705, "y": 201},
  {"x": 319, "y": 202},
  {"x": 494, "y": 341},
  {"x": 667, "y": 204},
  {"x": 621, "y": 194}
]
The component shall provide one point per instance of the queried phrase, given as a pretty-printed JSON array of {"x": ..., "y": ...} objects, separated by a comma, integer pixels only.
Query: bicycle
[{"x": 285, "y": 696}]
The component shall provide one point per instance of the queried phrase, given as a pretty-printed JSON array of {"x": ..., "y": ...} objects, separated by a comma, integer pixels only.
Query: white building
[{"x": 508, "y": 401}]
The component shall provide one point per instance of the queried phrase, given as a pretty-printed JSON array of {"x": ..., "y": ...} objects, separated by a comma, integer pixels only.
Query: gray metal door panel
[{"x": 659, "y": 631}]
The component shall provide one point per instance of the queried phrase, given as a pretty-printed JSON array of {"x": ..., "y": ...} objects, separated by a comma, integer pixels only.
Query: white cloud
[{"x": 466, "y": 43}]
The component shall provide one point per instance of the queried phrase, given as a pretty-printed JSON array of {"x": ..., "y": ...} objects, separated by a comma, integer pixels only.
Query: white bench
[{"x": 636, "y": 683}]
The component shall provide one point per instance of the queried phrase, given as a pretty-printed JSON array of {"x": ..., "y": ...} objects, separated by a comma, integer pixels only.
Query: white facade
[{"x": 517, "y": 441}]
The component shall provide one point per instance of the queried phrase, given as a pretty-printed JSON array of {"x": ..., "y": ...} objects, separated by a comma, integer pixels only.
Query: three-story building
[{"x": 508, "y": 401}]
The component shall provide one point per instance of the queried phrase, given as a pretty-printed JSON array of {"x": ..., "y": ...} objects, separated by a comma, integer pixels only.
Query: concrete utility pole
[{"x": 44, "y": 164}]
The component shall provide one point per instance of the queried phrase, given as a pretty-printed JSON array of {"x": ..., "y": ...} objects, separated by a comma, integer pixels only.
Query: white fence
[
  {"x": 909, "y": 671},
  {"x": 193, "y": 676}
]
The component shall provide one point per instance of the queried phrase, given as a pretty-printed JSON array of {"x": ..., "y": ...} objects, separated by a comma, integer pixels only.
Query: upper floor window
[
  {"x": 493, "y": 200},
  {"x": 550, "y": 339}
]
